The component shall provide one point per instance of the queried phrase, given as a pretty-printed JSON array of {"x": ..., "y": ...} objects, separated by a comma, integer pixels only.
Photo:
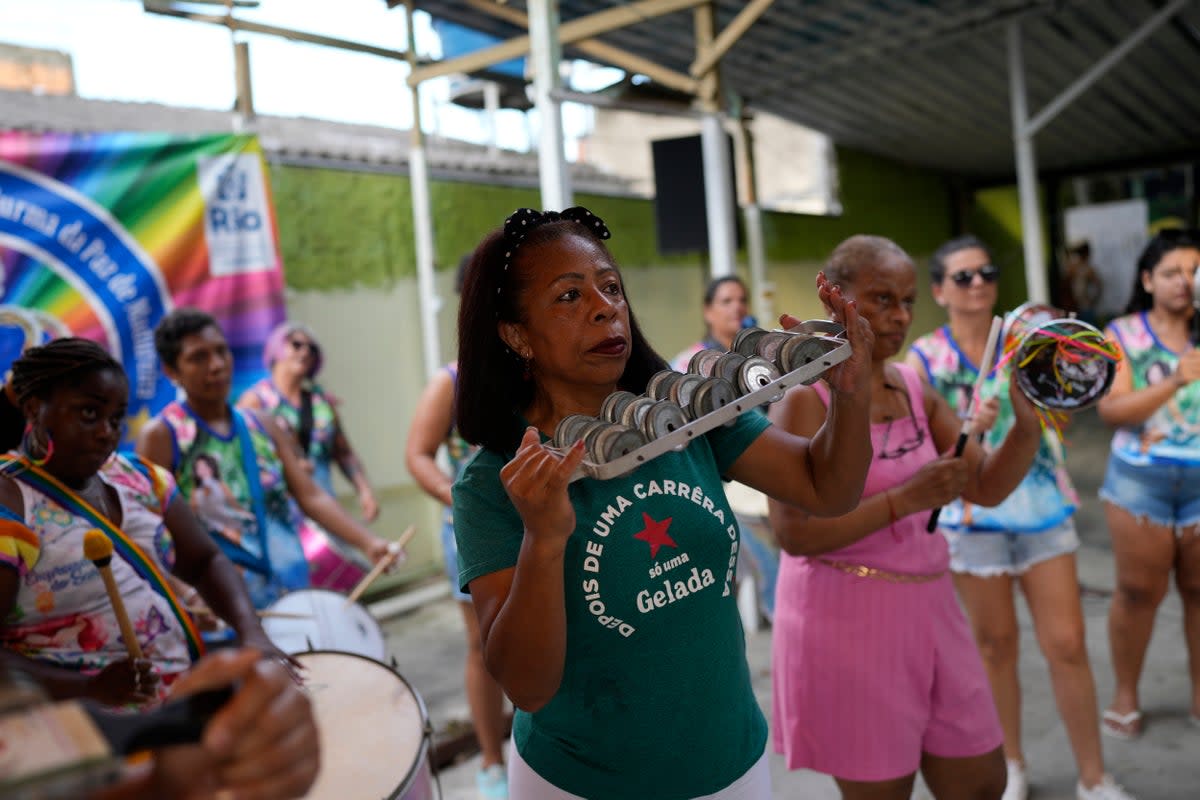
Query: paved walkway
[{"x": 1164, "y": 764}]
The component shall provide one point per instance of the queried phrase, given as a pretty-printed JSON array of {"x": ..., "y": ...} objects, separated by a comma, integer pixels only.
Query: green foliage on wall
[{"x": 340, "y": 229}]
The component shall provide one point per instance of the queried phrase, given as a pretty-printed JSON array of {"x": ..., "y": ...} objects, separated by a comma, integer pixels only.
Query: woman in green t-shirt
[{"x": 605, "y": 607}]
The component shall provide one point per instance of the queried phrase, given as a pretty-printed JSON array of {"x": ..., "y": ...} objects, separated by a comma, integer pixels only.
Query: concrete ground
[{"x": 1164, "y": 764}]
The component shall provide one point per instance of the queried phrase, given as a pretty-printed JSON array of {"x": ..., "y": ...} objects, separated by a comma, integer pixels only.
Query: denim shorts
[
  {"x": 450, "y": 554},
  {"x": 988, "y": 554},
  {"x": 1164, "y": 494}
]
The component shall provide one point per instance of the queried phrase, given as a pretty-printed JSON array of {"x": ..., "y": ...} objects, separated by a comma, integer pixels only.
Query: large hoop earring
[{"x": 47, "y": 448}]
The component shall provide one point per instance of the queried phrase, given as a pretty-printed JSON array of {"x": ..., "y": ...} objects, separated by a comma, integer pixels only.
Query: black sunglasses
[
  {"x": 964, "y": 277},
  {"x": 300, "y": 344}
]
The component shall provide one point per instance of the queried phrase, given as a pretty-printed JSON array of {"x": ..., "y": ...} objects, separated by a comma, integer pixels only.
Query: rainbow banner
[{"x": 102, "y": 234}]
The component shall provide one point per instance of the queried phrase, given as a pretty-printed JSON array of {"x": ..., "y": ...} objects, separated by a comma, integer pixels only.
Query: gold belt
[{"x": 860, "y": 571}]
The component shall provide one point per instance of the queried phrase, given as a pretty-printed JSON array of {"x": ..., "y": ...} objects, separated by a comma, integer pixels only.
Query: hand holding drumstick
[
  {"x": 395, "y": 552},
  {"x": 985, "y": 366},
  {"x": 98, "y": 549}
]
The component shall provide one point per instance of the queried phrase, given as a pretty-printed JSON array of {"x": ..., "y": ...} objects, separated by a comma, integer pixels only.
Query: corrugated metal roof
[
  {"x": 926, "y": 81},
  {"x": 295, "y": 139}
]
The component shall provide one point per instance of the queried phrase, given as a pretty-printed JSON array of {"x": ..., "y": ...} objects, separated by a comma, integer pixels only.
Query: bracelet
[{"x": 887, "y": 495}]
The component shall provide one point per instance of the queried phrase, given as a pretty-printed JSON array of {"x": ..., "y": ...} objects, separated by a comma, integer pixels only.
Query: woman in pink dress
[{"x": 876, "y": 675}]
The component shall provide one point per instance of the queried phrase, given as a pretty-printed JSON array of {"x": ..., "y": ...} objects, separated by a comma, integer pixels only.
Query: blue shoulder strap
[{"x": 253, "y": 480}]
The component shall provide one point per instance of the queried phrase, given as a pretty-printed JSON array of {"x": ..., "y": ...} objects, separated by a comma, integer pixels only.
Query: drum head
[
  {"x": 372, "y": 727},
  {"x": 1059, "y": 382},
  {"x": 315, "y": 619}
]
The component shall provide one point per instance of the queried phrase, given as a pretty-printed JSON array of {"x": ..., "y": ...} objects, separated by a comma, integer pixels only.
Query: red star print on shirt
[{"x": 655, "y": 534}]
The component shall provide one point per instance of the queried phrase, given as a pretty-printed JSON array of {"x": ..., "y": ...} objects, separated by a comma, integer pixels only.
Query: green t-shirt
[{"x": 655, "y": 699}]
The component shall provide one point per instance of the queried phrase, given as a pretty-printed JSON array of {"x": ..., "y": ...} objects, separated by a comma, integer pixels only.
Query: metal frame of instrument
[{"x": 678, "y": 439}]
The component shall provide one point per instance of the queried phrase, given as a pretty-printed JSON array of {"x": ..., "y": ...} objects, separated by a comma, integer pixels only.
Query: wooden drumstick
[
  {"x": 267, "y": 613},
  {"x": 98, "y": 549},
  {"x": 985, "y": 367},
  {"x": 394, "y": 551}
]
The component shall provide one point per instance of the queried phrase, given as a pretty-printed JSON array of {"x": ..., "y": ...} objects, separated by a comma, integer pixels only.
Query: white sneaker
[
  {"x": 1106, "y": 789},
  {"x": 1018, "y": 785}
]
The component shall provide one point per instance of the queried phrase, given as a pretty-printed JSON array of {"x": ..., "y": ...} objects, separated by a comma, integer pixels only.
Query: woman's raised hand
[
  {"x": 536, "y": 481},
  {"x": 1025, "y": 414},
  {"x": 854, "y": 374}
]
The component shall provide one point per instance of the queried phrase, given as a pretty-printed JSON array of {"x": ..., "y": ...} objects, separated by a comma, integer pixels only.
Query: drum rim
[
  {"x": 339, "y": 597},
  {"x": 1111, "y": 367},
  {"x": 426, "y": 751}
]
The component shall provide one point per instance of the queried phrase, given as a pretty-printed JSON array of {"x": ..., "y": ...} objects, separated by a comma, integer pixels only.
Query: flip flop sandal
[{"x": 1122, "y": 726}]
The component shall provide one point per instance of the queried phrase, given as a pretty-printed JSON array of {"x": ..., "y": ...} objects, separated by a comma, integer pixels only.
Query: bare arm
[
  {"x": 826, "y": 467},
  {"x": 985, "y": 480},
  {"x": 426, "y": 432},
  {"x": 1124, "y": 406},
  {"x": 315, "y": 502},
  {"x": 991, "y": 477},
  {"x": 155, "y": 444},
  {"x": 350, "y": 465},
  {"x": 522, "y": 610},
  {"x": 796, "y": 528},
  {"x": 200, "y": 563}
]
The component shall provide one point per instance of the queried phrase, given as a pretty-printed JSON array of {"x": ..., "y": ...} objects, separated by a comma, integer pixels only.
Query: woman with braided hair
[
  {"x": 605, "y": 607},
  {"x": 61, "y": 418}
]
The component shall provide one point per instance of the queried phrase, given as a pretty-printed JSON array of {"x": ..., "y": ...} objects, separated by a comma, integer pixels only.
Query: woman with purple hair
[{"x": 293, "y": 357}]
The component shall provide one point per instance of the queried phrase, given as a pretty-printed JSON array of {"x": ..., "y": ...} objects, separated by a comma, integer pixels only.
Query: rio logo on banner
[{"x": 102, "y": 234}]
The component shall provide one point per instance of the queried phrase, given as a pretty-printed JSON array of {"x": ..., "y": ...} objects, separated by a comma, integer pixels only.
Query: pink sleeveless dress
[{"x": 870, "y": 672}]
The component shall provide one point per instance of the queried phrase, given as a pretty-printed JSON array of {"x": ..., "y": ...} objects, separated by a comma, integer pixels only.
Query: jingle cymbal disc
[
  {"x": 746, "y": 341},
  {"x": 614, "y": 404},
  {"x": 702, "y": 362},
  {"x": 613, "y": 441},
  {"x": 662, "y": 418},
  {"x": 756, "y": 373},
  {"x": 712, "y": 394},
  {"x": 682, "y": 391},
  {"x": 799, "y": 351},
  {"x": 570, "y": 429},
  {"x": 659, "y": 385},
  {"x": 768, "y": 345},
  {"x": 727, "y": 367},
  {"x": 631, "y": 415}
]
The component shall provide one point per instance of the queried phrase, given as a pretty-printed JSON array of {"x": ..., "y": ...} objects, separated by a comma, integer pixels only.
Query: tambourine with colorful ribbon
[{"x": 1061, "y": 363}]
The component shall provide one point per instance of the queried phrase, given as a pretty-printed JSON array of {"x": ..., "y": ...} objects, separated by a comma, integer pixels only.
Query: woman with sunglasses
[
  {"x": 875, "y": 673},
  {"x": 291, "y": 393},
  {"x": 1028, "y": 540},
  {"x": 1151, "y": 491}
]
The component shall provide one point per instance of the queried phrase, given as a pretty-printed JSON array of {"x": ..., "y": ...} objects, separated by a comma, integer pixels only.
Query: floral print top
[
  {"x": 1172, "y": 433},
  {"x": 1045, "y": 498}
]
